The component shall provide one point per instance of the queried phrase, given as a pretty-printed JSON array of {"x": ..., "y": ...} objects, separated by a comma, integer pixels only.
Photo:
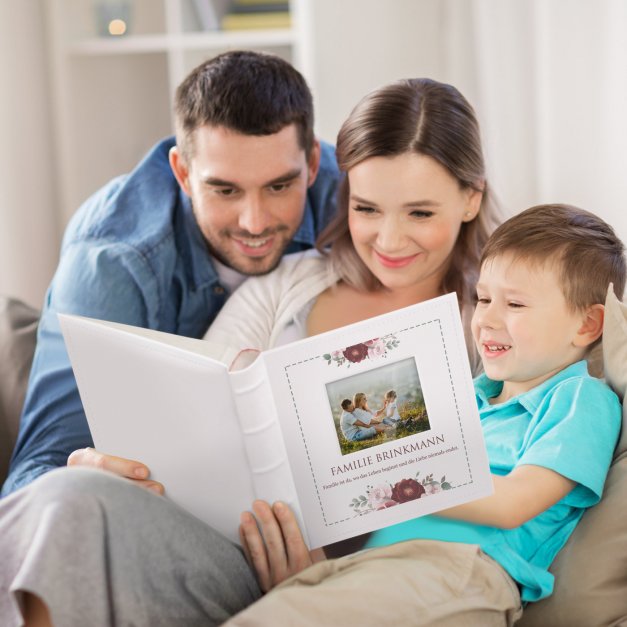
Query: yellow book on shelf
[{"x": 245, "y": 21}]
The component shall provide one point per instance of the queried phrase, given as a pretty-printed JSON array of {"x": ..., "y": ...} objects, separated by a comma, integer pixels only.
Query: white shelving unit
[{"x": 113, "y": 96}]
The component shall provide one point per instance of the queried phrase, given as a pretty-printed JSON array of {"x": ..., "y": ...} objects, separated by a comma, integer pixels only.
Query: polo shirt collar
[{"x": 486, "y": 388}]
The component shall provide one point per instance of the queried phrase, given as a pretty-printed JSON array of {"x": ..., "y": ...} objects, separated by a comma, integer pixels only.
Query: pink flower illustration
[
  {"x": 356, "y": 353},
  {"x": 376, "y": 348},
  {"x": 433, "y": 488},
  {"x": 386, "y": 504},
  {"x": 379, "y": 495}
]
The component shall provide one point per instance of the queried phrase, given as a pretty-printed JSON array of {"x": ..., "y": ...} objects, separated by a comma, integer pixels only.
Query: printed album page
[{"x": 422, "y": 450}]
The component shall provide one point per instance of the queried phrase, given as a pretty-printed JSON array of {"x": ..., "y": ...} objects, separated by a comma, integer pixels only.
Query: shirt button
[{"x": 218, "y": 289}]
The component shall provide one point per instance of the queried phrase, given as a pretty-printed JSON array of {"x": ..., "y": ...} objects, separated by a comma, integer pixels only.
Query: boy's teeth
[{"x": 500, "y": 347}]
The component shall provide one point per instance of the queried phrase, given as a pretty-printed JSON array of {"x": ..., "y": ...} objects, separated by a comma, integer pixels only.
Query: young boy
[{"x": 550, "y": 431}]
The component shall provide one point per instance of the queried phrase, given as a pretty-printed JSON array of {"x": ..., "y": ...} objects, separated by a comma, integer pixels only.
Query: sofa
[
  {"x": 18, "y": 328},
  {"x": 590, "y": 571}
]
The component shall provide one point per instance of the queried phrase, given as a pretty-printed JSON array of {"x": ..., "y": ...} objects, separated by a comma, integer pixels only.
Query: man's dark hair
[{"x": 248, "y": 92}]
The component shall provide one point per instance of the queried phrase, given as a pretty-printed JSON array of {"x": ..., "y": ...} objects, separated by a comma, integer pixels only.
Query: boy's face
[
  {"x": 350, "y": 408},
  {"x": 522, "y": 327}
]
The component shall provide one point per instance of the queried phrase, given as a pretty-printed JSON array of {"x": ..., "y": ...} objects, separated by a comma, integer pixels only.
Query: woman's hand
[
  {"x": 273, "y": 544},
  {"x": 136, "y": 471}
]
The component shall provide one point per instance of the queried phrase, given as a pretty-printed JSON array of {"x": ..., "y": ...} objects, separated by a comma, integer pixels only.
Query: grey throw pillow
[{"x": 18, "y": 330}]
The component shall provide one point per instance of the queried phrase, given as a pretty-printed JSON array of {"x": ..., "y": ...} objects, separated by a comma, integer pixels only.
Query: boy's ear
[{"x": 592, "y": 326}]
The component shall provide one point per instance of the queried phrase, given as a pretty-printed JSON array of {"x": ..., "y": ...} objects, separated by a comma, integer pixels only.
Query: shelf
[
  {"x": 184, "y": 41},
  {"x": 113, "y": 95}
]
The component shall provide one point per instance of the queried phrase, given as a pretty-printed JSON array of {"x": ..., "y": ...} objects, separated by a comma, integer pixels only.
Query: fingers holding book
[
  {"x": 129, "y": 469},
  {"x": 273, "y": 543}
]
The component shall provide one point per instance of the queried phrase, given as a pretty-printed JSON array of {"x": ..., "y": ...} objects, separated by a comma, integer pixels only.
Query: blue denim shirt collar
[{"x": 193, "y": 247}]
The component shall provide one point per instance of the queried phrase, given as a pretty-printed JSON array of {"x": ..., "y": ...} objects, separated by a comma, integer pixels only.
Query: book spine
[
  {"x": 248, "y": 9},
  {"x": 263, "y": 440}
]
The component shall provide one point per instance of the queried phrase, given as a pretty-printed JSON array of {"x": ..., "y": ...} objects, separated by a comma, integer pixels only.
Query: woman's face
[{"x": 404, "y": 216}]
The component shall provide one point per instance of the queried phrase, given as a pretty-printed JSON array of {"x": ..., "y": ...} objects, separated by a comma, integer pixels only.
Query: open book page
[
  {"x": 160, "y": 399},
  {"x": 431, "y": 455}
]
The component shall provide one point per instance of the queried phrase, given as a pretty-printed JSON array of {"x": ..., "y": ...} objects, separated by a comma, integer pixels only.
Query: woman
[
  {"x": 360, "y": 400},
  {"x": 414, "y": 213}
]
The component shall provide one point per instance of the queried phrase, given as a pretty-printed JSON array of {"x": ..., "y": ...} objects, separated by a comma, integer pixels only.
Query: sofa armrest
[{"x": 18, "y": 331}]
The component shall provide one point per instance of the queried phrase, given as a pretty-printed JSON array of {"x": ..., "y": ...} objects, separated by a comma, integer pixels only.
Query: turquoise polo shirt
[{"x": 569, "y": 424}]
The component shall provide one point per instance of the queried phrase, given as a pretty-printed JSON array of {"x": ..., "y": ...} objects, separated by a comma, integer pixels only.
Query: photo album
[{"x": 356, "y": 429}]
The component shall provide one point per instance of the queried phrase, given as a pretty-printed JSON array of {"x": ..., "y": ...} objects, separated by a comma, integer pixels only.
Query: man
[{"x": 162, "y": 247}]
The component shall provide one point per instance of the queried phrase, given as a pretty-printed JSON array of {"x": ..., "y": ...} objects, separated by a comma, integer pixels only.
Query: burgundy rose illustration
[
  {"x": 407, "y": 490},
  {"x": 356, "y": 353}
]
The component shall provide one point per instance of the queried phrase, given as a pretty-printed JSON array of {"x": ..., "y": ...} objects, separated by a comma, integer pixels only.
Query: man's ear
[
  {"x": 592, "y": 326},
  {"x": 313, "y": 163},
  {"x": 179, "y": 168}
]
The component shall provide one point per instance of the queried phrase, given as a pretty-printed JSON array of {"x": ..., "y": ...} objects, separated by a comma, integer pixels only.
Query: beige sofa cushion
[
  {"x": 18, "y": 329},
  {"x": 591, "y": 570}
]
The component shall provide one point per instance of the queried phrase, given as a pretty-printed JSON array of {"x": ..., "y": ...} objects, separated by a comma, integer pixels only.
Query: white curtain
[
  {"x": 29, "y": 231},
  {"x": 549, "y": 79}
]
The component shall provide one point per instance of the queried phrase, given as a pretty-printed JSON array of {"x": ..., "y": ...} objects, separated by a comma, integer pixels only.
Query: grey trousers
[{"x": 101, "y": 551}]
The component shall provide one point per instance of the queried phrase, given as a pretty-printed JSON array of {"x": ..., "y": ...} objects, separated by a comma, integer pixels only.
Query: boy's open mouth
[{"x": 497, "y": 348}]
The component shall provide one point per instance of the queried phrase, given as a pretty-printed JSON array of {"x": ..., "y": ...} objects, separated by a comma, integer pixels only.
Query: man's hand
[
  {"x": 136, "y": 471},
  {"x": 273, "y": 544}
]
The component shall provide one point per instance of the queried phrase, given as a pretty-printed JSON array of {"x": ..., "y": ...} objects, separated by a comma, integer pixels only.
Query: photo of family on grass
[{"x": 378, "y": 406}]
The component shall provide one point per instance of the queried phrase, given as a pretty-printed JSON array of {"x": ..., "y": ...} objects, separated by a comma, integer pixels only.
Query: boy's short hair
[
  {"x": 252, "y": 93},
  {"x": 346, "y": 403},
  {"x": 390, "y": 394},
  {"x": 585, "y": 249}
]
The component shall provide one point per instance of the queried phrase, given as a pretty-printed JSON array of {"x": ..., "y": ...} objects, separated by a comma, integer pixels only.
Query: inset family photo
[{"x": 378, "y": 406}]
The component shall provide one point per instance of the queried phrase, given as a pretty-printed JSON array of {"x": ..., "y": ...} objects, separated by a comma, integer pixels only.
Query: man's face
[{"x": 248, "y": 193}]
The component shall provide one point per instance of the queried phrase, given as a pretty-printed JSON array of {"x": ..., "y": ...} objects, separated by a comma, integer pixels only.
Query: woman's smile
[{"x": 395, "y": 262}]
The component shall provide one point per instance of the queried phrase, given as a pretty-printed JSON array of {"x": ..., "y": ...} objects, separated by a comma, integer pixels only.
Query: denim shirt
[{"x": 133, "y": 253}]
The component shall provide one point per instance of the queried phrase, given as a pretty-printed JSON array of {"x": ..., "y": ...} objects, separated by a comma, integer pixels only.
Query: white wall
[
  {"x": 548, "y": 81},
  {"x": 362, "y": 44},
  {"x": 29, "y": 231}
]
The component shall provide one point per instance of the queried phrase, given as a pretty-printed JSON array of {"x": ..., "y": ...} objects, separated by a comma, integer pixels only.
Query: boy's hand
[
  {"x": 130, "y": 469},
  {"x": 273, "y": 543}
]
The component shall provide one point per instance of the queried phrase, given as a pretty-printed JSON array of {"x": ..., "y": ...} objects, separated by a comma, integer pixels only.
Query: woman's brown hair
[{"x": 425, "y": 117}]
